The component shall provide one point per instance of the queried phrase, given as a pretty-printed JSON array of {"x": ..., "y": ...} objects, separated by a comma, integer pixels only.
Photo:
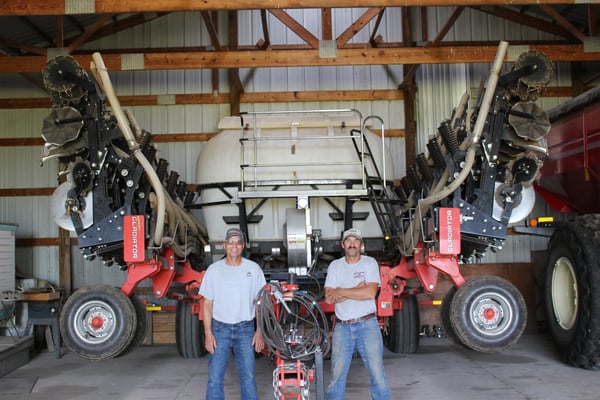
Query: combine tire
[
  {"x": 189, "y": 332},
  {"x": 488, "y": 314},
  {"x": 572, "y": 291},
  {"x": 403, "y": 330},
  {"x": 98, "y": 322}
]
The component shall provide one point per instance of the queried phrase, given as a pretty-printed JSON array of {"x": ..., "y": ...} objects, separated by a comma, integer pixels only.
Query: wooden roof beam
[
  {"x": 211, "y": 27},
  {"x": 58, "y": 7},
  {"x": 373, "y": 39},
  {"x": 60, "y": 31},
  {"x": 265, "y": 28},
  {"x": 296, "y": 27},
  {"x": 23, "y": 46},
  {"x": 409, "y": 75},
  {"x": 298, "y": 58},
  {"x": 123, "y": 24},
  {"x": 592, "y": 12},
  {"x": 326, "y": 24},
  {"x": 562, "y": 21},
  {"x": 81, "y": 39},
  {"x": 37, "y": 30},
  {"x": 524, "y": 19},
  {"x": 360, "y": 23}
]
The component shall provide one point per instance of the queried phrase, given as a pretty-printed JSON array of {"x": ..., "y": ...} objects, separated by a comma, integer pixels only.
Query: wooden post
[
  {"x": 64, "y": 260},
  {"x": 409, "y": 89}
]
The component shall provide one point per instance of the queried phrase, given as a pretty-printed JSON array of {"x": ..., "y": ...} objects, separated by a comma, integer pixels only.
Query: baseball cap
[
  {"x": 352, "y": 232},
  {"x": 231, "y": 232}
]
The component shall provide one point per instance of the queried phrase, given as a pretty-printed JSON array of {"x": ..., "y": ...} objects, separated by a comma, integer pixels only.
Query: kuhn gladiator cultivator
[{"x": 293, "y": 182}]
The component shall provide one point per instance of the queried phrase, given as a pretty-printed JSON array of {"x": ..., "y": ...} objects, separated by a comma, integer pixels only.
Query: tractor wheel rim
[
  {"x": 491, "y": 314},
  {"x": 565, "y": 294},
  {"x": 94, "y": 322}
]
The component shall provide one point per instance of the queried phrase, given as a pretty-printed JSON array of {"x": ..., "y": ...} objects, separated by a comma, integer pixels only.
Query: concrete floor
[{"x": 439, "y": 370}]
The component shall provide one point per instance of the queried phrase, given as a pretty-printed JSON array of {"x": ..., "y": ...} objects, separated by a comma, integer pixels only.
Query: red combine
[{"x": 571, "y": 183}]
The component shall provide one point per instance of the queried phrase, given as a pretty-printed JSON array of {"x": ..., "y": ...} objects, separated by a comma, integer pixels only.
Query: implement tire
[
  {"x": 445, "y": 316},
  {"x": 98, "y": 322},
  {"x": 488, "y": 314},
  {"x": 404, "y": 327},
  {"x": 189, "y": 332},
  {"x": 140, "y": 329}
]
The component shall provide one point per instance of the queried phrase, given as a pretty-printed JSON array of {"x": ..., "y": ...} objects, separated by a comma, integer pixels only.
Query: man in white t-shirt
[
  {"x": 351, "y": 284},
  {"x": 229, "y": 288}
]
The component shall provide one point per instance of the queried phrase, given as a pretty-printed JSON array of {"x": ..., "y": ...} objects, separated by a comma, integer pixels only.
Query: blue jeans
[
  {"x": 364, "y": 337},
  {"x": 236, "y": 337}
]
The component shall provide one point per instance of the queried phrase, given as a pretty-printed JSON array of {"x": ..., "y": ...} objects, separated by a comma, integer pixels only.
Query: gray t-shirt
[
  {"x": 233, "y": 290},
  {"x": 340, "y": 274}
]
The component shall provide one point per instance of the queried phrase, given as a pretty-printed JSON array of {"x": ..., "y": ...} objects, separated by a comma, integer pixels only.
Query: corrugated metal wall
[{"x": 439, "y": 89}]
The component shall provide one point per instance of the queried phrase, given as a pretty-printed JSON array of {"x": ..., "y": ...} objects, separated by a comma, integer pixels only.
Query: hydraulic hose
[
  {"x": 298, "y": 329},
  {"x": 100, "y": 72},
  {"x": 437, "y": 194},
  {"x": 489, "y": 91},
  {"x": 192, "y": 223}
]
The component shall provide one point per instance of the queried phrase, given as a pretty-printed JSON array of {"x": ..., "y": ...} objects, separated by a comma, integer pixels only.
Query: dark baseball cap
[{"x": 231, "y": 232}]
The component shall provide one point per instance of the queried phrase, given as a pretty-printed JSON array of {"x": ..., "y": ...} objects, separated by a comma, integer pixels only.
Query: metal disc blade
[
  {"x": 57, "y": 133},
  {"x": 529, "y": 121},
  {"x": 59, "y": 213},
  {"x": 521, "y": 210}
]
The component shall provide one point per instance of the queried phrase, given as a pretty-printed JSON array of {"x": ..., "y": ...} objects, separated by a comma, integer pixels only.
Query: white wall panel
[{"x": 440, "y": 90}]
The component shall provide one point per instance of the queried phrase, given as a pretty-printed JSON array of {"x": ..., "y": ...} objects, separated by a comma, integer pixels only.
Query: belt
[{"x": 355, "y": 320}]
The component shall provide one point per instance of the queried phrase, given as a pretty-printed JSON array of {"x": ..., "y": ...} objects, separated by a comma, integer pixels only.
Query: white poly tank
[{"x": 294, "y": 151}]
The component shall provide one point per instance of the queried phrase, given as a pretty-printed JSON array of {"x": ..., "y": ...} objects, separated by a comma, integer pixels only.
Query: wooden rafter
[
  {"x": 524, "y": 19},
  {"x": 58, "y": 7},
  {"x": 447, "y": 26},
  {"x": 256, "y": 97},
  {"x": 562, "y": 21},
  {"x": 592, "y": 13},
  {"x": 374, "y": 38},
  {"x": 296, "y": 27},
  {"x": 409, "y": 75},
  {"x": 60, "y": 31},
  {"x": 296, "y": 58},
  {"x": 265, "y": 28},
  {"x": 81, "y": 39},
  {"x": 123, "y": 24},
  {"x": 357, "y": 25},
  {"x": 23, "y": 46},
  {"x": 223, "y": 98},
  {"x": 211, "y": 27},
  {"x": 73, "y": 21},
  {"x": 37, "y": 30},
  {"x": 326, "y": 24}
]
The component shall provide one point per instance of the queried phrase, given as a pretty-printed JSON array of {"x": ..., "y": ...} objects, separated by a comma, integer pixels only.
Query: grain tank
[{"x": 281, "y": 176}]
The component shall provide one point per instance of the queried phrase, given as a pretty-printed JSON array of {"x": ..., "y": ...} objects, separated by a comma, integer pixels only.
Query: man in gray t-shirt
[
  {"x": 229, "y": 288},
  {"x": 351, "y": 284}
]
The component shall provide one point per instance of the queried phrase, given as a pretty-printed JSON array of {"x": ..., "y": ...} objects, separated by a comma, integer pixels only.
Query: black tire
[
  {"x": 488, "y": 314},
  {"x": 572, "y": 291},
  {"x": 140, "y": 329},
  {"x": 404, "y": 325},
  {"x": 445, "y": 315},
  {"x": 98, "y": 322},
  {"x": 189, "y": 332}
]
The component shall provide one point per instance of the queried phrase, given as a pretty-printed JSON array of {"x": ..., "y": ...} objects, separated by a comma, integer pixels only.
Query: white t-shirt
[
  {"x": 233, "y": 290},
  {"x": 340, "y": 274}
]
